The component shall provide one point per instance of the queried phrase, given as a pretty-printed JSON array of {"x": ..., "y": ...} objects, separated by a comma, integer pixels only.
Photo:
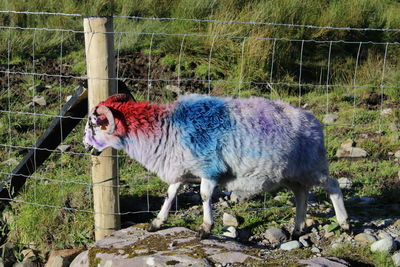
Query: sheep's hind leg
[
  {"x": 206, "y": 191},
  {"x": 163, "y": 214},
  {"x": 332, "y": 187},
  {"x": 300, "y": 193}
]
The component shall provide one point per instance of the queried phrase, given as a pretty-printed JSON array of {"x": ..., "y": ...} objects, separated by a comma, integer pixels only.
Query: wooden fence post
[{"x": 99, "y": 48}]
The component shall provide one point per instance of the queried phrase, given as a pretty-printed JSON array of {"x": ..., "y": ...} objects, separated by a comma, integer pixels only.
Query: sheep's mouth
[{"x": 93, "y": 151}]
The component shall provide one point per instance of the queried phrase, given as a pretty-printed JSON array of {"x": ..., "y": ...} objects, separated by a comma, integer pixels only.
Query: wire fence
[{"x": 25, "y": 117}]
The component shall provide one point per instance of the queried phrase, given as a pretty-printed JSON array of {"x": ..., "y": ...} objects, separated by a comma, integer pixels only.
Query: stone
[
  {"x": 188, "y": 250},
  {"x": 63, "y": 148},
  {"x": 275, "y": 236},
  {"x": 310, "y": 222},
  {"x": 386, "y": 111},
  {"x": 356, "y": 152},
  {"x": 347, "y": 144},
  {"x": 39, "y": 100},
  {"x": 229, "y": 231},
  {"x": 279, "y": 198},
  {"x": 385, "y": 245},
  {"x": 231, "y": 257},
  {"x": 330, "y": 118},
  {"x": 393, "y": 127},
  {"x": 304, "y": 240},
  {"x": 67, "y": 98},
  {"x": 345, "y": 183},
  {"x": 365, "y": 238},
  {"x": 28, "y": 254},
  {"x": 230, "y": 220},
  {"x": 290, "y": 245},
  {"x": 397, "y": 154},
  {"x": 315, "y": 250},
  {"x": 396, "y": 259},
  {"x": 348, "y": 149},
  {"x": 173, "y": 88},
  {"x": 325, "y": 262},
  {"x": 26, "y": 263},
  {"x": 62, "y": 257},
  {"x": 384, "y": 235}
]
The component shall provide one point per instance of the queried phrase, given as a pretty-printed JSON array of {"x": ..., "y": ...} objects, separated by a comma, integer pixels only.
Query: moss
[{"x": 172, "y": 262}]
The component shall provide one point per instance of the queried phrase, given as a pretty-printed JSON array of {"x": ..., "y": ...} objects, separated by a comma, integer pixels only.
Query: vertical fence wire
[
  {"x": 241, "y": 83},
  {"x": 354, "y": 85}
]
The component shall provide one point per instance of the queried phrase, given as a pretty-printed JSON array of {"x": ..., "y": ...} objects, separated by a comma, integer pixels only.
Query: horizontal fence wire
[
  {"x": 251, "y": 23},
  {"x": 206, "y": 35},
  {"x": 149, "y": 80}
]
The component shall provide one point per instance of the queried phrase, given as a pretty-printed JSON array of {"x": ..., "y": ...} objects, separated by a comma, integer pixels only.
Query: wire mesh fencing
[{"x": 156, "y": 62}]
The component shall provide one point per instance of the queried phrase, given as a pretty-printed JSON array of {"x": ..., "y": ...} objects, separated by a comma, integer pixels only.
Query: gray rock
[
  {"x": 386, "y": 245},
  {"x": 384, "y": 235},
  {"x": 231, "y": 257},
  {"x": 393, "y": 127},
  {"x": 275, "y": 236},
  {"x": 229, "y": 231},
  {"x": 173, "y": 88},
  {"x": 63, "y": 257},
  {"x": 365, "y": 238},
  {"x": 345, "y": 183},
  {"x": 396, "y": 259},
  {"x": 310, "y": 222},
  {"x": 290, "y": 245},
  {"x": 26, "y": 263},
  {"x": 397, "y": 154},
  {"x": 39, "y": 100},
  {"x": 348, "y": 150},
  {"x": 347, "y": 144},
  {"x": 315, "y": 250},
  {"x": 330, "y": 118},
  {"x": 230, "y": 220},
  {"x": 304, "y": 240},
  {"x": 386, "y": 111},
  {"x": 325, "y": 262},
  {"x": 187, "y": 249},
  {"x": 63, "y": 148}
]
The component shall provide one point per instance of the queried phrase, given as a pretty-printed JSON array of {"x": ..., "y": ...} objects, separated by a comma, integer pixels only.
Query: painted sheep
[{"x": 251, "y": 145}]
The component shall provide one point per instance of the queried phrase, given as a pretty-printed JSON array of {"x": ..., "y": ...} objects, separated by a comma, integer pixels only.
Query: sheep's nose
[{"x": 87, "y": 146}]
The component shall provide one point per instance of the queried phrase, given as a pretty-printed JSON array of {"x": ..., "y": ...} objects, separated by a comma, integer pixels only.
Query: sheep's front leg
[
  {"x": 163, "y": 214},
  {"x": 206, "y": 191}
]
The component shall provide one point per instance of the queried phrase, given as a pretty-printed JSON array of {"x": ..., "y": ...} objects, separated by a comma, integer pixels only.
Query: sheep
[{"x": 251, "y": 145}]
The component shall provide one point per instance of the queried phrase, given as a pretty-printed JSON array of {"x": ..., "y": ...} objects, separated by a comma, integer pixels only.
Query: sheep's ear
[{"x": 105, "y": 119}]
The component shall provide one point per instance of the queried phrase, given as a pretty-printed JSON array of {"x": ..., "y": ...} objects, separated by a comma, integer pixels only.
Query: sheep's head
[{"x": 100, "y": 130}]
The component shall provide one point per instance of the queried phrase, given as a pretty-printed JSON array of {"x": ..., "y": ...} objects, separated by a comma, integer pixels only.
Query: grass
[{"x": 197, "y": 56}]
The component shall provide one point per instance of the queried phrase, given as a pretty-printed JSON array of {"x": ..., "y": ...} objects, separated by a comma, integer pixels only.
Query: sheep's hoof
[
  {"x": 152, "y": 228},
  {"x": 296, "y": 235},
  {"x": 346, "y": 226},
  {"x": 204, "y": 231},
  {"x": 203, "y": 234}
]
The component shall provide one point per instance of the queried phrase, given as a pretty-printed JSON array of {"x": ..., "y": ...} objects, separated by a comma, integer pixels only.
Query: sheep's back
[{"x": 249, "y": 138}]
